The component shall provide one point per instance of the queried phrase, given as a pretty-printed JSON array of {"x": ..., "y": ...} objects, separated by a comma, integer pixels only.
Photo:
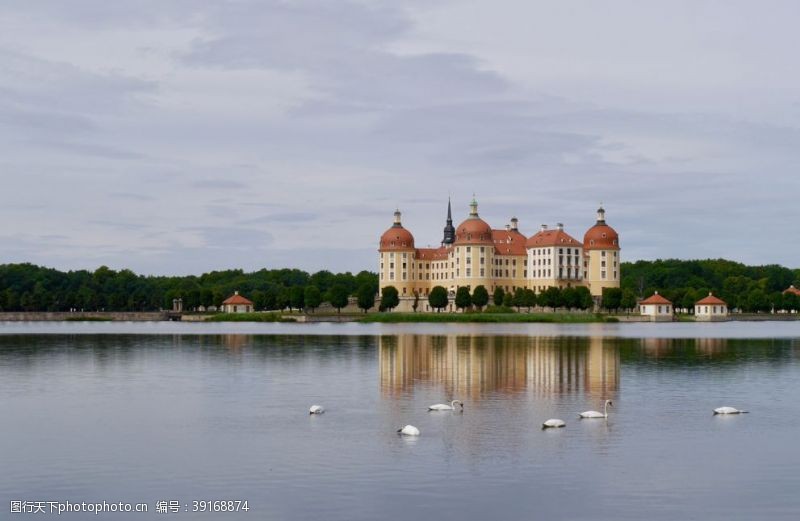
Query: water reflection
[{"x": 472, "y": 366}]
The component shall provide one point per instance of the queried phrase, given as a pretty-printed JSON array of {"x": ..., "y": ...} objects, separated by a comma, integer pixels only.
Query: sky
[{"x": 183, "y": 136}]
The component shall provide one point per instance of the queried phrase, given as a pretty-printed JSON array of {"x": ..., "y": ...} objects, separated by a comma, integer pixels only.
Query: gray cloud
[{"x": 176, "y": 135}]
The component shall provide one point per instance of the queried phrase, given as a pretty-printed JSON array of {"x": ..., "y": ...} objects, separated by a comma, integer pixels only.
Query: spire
[
  {"x": 397, "y": 222},
  {"x": 473, "y": 207},
  {"x": 449, "y": 229},
  {"x": 601, "y": 215}
]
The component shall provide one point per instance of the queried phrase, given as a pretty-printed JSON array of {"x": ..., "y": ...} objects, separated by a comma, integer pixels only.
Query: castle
[{"x": 474, "y": 254}]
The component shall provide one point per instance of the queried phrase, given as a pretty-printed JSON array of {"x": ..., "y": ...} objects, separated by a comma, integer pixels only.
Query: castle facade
[{"x": 474, "y": 254}]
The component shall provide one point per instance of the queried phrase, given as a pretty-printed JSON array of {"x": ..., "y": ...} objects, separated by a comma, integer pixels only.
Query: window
[
  {"x": 483, "y": 260},
  {"x": 405, "y": 255},
  {"x": 603, "y": 253},
  {"x": 469, "y": 272},
  {"x": 404, "y": 275},
  {"x": 391, "y": 265},
  {"x": 404, "y": 265},
  {"x": 469, "y": 260},
  {"x": 469, "y": 249},
  {"x": 603, "y": 274},
  {"x": 482, "y": 273},
  {"x": 481, "y": 249},
  {"x": 391, "y": 275},
  {"x": 602, "y": 264}
]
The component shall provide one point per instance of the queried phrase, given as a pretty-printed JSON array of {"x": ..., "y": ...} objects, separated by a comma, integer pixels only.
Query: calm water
[{"x": 149, "y": 412}]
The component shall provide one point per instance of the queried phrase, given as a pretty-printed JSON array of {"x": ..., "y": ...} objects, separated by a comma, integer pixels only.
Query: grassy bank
[
  {"x": 249, "y": 317},
  {"x": 555, "y": 318}
]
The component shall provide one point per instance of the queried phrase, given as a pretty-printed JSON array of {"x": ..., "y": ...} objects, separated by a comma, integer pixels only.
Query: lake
[{"x": 148, "y": 412}]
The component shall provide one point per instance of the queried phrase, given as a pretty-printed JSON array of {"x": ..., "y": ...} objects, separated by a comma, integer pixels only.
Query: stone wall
[{"x": 55, "y": 316}]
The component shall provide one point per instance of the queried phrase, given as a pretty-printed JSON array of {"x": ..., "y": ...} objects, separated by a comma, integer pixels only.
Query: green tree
[
  {"x": 438, "y": 298},
  {"x": 628, "y": 300},
  {"x": 612, "y": 298},
  {"x": 480, "y": 297},
  {"x": 390, "y": 298},
  {"x": 508, "y": 300},
  {"x": 312, "y": 297},
  {"x": 366, "y": 297},
  {"x": 585, "y": 300},
  {"x": 463, "y": 300},
  {"x": 415, "y": 303},
  {"x": 297, "y": 297},
  {"x": 570, "y": 298},
  {"x": 499, "y": 296},
  {"x": 338, "y": 296},
  {"x": 551, "y": 298}
]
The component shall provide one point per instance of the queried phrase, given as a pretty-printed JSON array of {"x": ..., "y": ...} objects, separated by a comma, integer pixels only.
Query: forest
[
  {"x": 684, "y": 282},
  {"x": 27, "y": 287}
]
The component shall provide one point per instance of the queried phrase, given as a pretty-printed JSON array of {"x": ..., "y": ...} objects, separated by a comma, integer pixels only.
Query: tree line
[
  {"x": 27, "y": 287},
  {"x": 684, "y": 282},
  {"x": 439, "y": 299}
]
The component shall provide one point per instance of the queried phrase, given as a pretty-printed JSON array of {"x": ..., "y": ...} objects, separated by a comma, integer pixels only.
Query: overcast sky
[{"x": 177, "y": 137}]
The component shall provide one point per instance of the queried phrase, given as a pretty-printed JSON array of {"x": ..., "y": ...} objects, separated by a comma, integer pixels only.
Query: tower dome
[
  {"x": 474, "y": 230},
  {"x": 601, "y": 236},
  {"x": 396, "y": 237}
]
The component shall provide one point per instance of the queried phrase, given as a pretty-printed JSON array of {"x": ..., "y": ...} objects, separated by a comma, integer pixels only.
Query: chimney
[
  {"x": 508, "y": 227},
  {"x": 543, "y": 228},
  {"x": 236, "y": 292},
  {"x": 514, "y": 223},
  {"x": 560, "y": 226}
]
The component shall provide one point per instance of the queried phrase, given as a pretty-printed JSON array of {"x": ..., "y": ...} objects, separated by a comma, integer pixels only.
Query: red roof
[
  {"x": 474, "y": 230},
  {"x": 552, "y": 238},
  {"x": 439, "y": 253},
  {"x": 655, "y": 299},
  {"x": 711, "y": 300},
  {"x": 508, "y": 242},
  {"x": 237, "y": 299},
  {"x": 601, "y": 237},
  {"x": 792, "y": 289},
  {"x": 396, "y": 238}
]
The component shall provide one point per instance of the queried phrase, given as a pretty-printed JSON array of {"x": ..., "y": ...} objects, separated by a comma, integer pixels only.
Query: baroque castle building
[{"x": 474, "y": 254}]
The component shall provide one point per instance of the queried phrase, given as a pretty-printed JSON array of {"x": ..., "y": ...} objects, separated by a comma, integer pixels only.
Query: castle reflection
[{"x": 471, "y": 366}]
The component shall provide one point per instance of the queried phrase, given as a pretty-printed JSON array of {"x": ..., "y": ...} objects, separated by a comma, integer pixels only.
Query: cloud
[{"x": 168, "y": 136}]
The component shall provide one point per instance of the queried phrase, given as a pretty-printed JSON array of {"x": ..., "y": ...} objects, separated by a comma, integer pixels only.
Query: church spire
[{"x": 449, "y": 229}]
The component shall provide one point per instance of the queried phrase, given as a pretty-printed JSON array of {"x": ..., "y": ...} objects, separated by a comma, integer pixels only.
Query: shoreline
[{"x": 370, "y": 318}]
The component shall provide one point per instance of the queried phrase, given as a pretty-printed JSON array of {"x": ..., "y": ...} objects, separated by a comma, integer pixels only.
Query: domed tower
[
  {"x": 472, "y": 254},
  {"x": 396, "y": 252},
  {"x": 601, "y": 256}
]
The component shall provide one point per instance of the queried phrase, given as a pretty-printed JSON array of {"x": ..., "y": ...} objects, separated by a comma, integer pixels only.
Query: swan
[
  {"x": 409, "y": 430},
  {"x": 595, "y": 414},
  {"x": 445, "y": 407},
  {"x": 728, "y": 410},
  {"x": 316, "y": 409},
  {"x": 553, "y": 422}
]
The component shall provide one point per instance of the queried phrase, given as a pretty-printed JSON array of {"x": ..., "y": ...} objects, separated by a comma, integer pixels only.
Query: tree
[
  {"x": 297, "y": 297},
  {"x": 585, "y": 300},
  {"x": 628, "y": 301},
  {"x": 508, "y": 300},
  {"x": 312, "y": 297},
  {"x": 338, "y": 296},
  {"x": 480, "y": 297},
  {"x": 551, "y": 297},
  {"x": 570, "y": 298},
  {"x": 612, "y": 298},
  {"x": 438, "y": 298},
  {"x": 390, "y": 298},
  {"x": 499, "y": 296},
  {"x": 463, "y": 300},
  {"x": 366, "y": 297},
  {"x": 415, "y": 303}
]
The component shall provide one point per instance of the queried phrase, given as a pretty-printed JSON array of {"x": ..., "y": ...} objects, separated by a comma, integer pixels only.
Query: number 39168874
[{"x": 230, "y": 505}]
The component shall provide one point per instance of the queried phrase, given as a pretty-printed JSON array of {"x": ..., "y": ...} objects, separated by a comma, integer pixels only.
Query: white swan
[
  {"x": 445, "y": 407},
  {"x": 553, "y": 423},
  {"x": 409, "y": 430},
  {"x": 595, "y": 414},
  {"x": 728, "y": 410},
  {"x": 316, "y": 409}
]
